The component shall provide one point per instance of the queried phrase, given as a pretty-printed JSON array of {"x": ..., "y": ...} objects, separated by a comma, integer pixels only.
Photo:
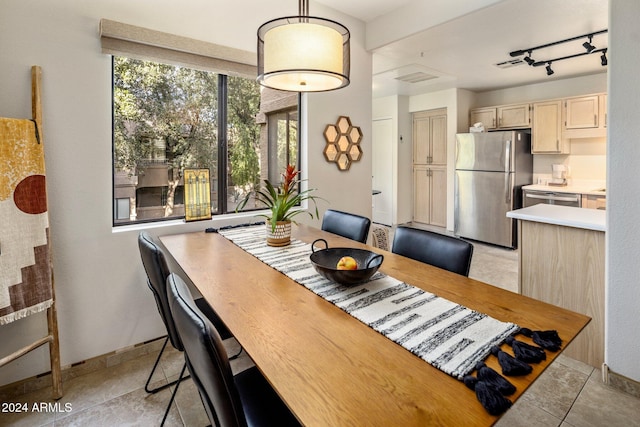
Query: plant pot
[{"x": 281, "y": 236}]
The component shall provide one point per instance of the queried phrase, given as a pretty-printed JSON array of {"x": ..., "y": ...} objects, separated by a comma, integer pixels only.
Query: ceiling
[{"x": 463, "y": 52}]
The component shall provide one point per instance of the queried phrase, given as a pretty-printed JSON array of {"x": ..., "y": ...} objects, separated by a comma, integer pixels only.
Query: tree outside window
[{"x": 168, "y": 118}]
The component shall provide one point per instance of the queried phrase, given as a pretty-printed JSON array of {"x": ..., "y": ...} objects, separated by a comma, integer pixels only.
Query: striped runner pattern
[{"x": 446, "y": 335}]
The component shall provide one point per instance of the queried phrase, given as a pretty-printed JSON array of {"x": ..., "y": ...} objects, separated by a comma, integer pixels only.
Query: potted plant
[{"x": 281, "y": 201}]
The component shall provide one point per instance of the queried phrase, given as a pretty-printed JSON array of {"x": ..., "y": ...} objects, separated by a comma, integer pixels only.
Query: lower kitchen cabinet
[
  {"x": 591, "y": 201},
  {"x": 430, "y": 195},
  {"x": 564, "y": 266}
]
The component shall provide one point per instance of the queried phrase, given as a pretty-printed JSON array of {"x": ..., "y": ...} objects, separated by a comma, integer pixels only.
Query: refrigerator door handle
[
  {"x": 508, "y": 165},
  {"x": 507, "y": 184}
]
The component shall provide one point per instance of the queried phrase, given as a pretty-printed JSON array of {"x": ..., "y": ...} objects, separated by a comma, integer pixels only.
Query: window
[
  {"x": 168, "y": 118},
  {"x": 283, "y": 141}
]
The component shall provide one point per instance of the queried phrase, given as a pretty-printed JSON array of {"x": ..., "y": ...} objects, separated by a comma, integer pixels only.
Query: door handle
[
  {"x": 507, "y": 177},
  {"x": 555, "y": 198}
]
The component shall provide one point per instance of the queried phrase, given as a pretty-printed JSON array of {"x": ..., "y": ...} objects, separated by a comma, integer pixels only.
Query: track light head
[
  {"x": 528, "y": 59},
  {"x": 548, "y": 68},
  {"x": 588, "y": 46},
  {"x": 603, "y": 58}
]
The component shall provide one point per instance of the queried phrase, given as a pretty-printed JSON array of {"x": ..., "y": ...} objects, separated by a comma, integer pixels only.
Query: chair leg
[
  {"x": 173, "y": 395},
  {"x": 155, "y": 365}
]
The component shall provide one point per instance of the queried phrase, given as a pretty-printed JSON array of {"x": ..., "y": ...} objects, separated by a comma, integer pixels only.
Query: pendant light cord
[{"x": 303, "y": 7}]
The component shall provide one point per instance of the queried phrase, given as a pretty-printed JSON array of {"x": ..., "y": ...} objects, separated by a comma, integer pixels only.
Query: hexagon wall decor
[{"x": 342, "y": 143}]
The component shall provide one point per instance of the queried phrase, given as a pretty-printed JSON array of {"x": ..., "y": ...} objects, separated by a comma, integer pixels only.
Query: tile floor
[{"x": 568, "y": 394}]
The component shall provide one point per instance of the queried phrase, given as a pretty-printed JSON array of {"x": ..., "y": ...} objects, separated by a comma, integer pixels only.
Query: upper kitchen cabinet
[
  {"x": 515, "y": 116},
  {"x": 430, "y": 137},
  {"x": 486, "y": 116},
  {"x": 585, "y": 116},
  {"x": 546, "y": 131}
]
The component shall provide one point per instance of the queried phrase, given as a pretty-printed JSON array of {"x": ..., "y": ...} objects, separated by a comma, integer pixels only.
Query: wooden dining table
[{"x": 330, "y": 368}]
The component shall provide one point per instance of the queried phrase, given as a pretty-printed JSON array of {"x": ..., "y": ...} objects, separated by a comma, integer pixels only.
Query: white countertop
[
  {"x": 589, "y": 219},
  {"x": 577, "y": 187}
]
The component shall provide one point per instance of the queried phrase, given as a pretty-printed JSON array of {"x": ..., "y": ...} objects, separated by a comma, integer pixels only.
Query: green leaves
[{"x": 282, "y": 201}]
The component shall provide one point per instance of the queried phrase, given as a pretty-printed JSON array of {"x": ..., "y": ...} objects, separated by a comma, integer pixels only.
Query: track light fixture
[
  {"x": 549, "y": 70},
  {"x": 590, "y": 48},
  {"x": 528, "y": 59}
]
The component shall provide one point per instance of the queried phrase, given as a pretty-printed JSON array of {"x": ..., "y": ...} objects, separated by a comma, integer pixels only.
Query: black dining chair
[
  {"x": 157, "y": 269},
  {"x": 245, "y": 399},
  {"x": 439, "y": 250},
  {"x": 354, "y": 227}
]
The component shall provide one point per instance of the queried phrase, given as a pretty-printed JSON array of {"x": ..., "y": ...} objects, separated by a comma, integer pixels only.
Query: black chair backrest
[
  {"x": 155, "y": 264},
  {"x": 206, "y": 357},
  {"x": 439, "y": 250},
  {"x": 354, "y": 227}
]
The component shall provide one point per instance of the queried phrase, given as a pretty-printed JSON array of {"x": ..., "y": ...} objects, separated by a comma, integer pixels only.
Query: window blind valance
[{"x": 122, "y": 39}]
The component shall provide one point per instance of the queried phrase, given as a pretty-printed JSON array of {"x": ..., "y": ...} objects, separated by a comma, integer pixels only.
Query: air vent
[
  {"x": 416, "y": 77},
  {"x": 510, "y": 63}
]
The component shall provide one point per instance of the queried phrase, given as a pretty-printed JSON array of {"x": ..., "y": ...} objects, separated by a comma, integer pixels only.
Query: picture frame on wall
[{"x": 197, "y": 194}]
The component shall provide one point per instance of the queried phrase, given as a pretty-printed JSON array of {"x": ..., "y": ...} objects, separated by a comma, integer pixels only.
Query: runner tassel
[
  {"x": 549, "y": 340},
  {"x": 488, "y": 395},
  {"x": 511, "y": 366},
  {"x": 526, "y": 352}
]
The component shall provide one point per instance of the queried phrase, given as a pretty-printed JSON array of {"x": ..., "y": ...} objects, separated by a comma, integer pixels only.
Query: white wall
[
  {"x": 396, "y": 108},
  {"x": 344, "y": 190},
  {"x": 564, "y": 88},
  {"x": 622, "y": 312},
  {"x": 103, "y": 301},
  {"x": 404, "y": 210}
]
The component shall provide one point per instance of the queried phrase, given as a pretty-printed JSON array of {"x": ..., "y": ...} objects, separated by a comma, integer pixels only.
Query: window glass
[
  {"x": 121, "y": 209},
  {"x": 283, "y": 142},
  {"x": 166, "y": 119},
  {"x": 243, "y": 139}
]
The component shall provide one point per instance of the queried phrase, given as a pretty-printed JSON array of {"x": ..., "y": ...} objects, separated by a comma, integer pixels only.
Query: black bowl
[{"x": 325, "y": 262}]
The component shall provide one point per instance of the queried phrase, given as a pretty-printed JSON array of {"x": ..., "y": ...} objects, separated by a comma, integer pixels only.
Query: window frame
[{"x": 222, "y": 152}]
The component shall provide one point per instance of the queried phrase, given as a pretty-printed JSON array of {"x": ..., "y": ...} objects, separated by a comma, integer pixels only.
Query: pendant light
[{"x": 303, "y": 53}]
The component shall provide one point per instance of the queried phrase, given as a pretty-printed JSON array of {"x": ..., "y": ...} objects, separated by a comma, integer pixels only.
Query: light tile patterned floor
[{"x": 568, "y": 394}]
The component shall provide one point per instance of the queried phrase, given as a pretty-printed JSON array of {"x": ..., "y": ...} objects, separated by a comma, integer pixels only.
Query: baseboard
[
  {"x": 620, "y": 382},
  {"x": 74, "y": 370}
]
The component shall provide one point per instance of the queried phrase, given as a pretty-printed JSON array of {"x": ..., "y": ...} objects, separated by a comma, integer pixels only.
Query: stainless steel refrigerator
[{"x": 491, "y": 169}]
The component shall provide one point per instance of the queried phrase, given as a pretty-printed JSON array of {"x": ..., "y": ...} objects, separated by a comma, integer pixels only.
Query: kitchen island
[{"x": 561, "y": 261}]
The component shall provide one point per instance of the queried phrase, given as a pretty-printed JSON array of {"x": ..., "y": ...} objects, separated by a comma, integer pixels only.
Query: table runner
[{"x": 448, "y": 336}]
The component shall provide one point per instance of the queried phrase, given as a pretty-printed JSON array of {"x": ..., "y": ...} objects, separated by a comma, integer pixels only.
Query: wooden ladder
[{"x": 52, "y": 318}]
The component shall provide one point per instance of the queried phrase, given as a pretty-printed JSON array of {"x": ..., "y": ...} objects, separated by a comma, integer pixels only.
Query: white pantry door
[{"x": 382, "y": 170}]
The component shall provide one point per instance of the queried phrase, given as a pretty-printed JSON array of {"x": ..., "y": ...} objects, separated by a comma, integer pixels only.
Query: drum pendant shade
[{"x": 303, "y": 54}]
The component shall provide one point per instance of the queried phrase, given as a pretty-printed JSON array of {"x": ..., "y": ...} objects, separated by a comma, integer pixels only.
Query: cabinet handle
[
  {"x": 557, "y": 145},
  {"x": 595, "y": 120}
]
